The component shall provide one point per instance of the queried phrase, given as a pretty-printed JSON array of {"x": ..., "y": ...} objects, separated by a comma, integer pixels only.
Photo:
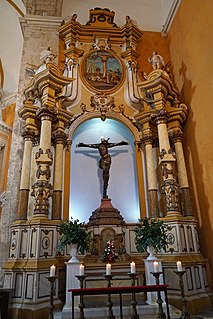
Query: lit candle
[
  {"x": 108, "y": 269},
  {"x": 52, "y": 271},
  {"x": 179, "y": 266},
  {"x": 132, "y": 267},
  {"x": 156, "y": 267},
  {"x": 81, "y": 270}
]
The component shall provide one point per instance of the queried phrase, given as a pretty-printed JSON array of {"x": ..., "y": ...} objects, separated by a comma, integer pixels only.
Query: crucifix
[{"x": 105, "y": 161}]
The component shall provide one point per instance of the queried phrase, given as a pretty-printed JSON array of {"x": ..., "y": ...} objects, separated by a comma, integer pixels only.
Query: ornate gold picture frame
[{"x": 102, "y": 71}]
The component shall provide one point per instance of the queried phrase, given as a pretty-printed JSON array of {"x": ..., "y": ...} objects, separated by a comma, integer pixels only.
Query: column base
[
  {"x": 57, "y": 204},
  {"x": 40, "y": 217},
  {"x": 23, "y": 204},
  {"x": 186, "y": 202},
  {"x": 153, "y": 203},
  {"x": 173, "y": 214}
]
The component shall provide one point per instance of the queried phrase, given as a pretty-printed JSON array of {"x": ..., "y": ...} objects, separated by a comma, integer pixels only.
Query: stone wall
[
  {"x": 191, "y": 48},
  {"x": 39, "y": 33}
]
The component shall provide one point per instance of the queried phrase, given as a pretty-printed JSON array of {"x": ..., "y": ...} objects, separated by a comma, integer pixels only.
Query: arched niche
[{"x": 86, "y": 177}]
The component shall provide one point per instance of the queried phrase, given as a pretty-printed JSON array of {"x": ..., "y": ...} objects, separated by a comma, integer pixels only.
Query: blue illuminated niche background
[{"x": 86, "y": 176}]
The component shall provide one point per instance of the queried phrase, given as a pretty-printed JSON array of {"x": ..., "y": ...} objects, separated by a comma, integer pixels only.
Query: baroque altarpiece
[{"x": 96, "y": 77}]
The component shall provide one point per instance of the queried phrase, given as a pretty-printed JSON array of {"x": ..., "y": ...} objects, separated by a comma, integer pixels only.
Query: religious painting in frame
[{"x": 102, "y": 71}]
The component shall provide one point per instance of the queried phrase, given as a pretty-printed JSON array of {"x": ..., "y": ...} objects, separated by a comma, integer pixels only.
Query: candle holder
[
  {"x": 109, "y": 302},
  {"x": 81, "y": 305},
  {"x": 184, "y": 313},
  {"x": 133, "y": 277},
  {"x": 51, "y": 306},
  {"x": 161, "y": 314},
  {"x": 81, "y": 279}
]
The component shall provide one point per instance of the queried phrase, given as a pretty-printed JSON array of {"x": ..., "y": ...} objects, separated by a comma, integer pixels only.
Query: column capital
[
  {"x": 176, "y": 135},
  {"x": 138, "y": 145},
  {"x": 147, "y": 138},
  {"x": 160, "y": 117},
  {"x": 29, "y": 134},
  {"x": 59, "y": 137},
  {"x": 47, "y": 113},
  {"x": 155, "y": 142}
]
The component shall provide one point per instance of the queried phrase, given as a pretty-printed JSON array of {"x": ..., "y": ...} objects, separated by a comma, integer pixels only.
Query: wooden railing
[{"x": 120, "y": 291}]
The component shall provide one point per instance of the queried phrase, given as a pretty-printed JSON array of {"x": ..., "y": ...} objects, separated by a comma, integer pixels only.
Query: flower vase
[
  {"x": 73, "y": 253},
  {"x": 151, "y": 251}
]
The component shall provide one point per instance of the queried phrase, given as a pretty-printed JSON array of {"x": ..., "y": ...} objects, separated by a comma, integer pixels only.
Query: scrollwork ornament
[
  {"x": 42, "y": 191},
  {"x": 38, "y": 154},
  {"x": 103, "y": 103},
  {"x": 162, "y": 153},
  {"x": 168, "y": 170},
  {"x": 49, "y": 154},
  {"x": 41, "y": 171},
  {"x": 171, "y": 191}
]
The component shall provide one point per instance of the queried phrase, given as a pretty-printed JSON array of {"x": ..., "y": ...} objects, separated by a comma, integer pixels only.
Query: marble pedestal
[
  {"x": 72, "y": 269},
  {"x": 150, "y": 279}
]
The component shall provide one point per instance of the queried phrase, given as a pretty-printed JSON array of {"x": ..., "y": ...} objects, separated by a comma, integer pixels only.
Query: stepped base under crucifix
[
  {"x": 107, "y": 224},
  {"x": 106, "y": 214}
]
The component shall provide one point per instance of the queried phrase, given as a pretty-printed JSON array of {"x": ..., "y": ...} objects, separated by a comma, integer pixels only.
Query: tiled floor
[{"x": 205, "y": 315}]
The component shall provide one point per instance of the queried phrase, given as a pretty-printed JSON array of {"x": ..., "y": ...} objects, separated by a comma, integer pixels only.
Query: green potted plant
[
  {"x": 74, "y": 234},
  {"x": 151, "y": 236}
]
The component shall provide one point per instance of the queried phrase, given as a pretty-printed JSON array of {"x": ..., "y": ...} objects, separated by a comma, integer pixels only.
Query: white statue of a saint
[
  {"x": 156, "y": 60},
  {"x": 47, "y": 56}
]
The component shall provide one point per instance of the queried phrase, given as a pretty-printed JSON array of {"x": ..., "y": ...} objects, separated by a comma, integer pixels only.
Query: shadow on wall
[{"x": 200, "y": 205}]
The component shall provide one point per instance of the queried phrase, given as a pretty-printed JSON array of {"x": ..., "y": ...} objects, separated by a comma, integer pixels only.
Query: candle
[
  {"x": 81, "y": 270},
  {"x": 179, "y": 266},
  {"x": 52, "y": 271},
  {"x": 132, "y": 267},
  {"x": 156, "y": 267},
  {"x": 108, "y": 269}
]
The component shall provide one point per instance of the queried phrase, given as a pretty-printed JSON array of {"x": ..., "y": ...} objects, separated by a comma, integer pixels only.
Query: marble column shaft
[
  {"x": 58, "y": 178},
  {"x": 151, "y": 178},
  {"x": 182, "y": 174},
  {"x": 25, "y": 179},
  {"x": 163, "y": 137},
  {"x": 45, "y": 137},
  {"x": 170, "y": 187}
]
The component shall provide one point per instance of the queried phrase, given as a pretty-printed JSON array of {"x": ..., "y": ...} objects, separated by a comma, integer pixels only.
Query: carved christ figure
[{"x": 105, "y": 161}]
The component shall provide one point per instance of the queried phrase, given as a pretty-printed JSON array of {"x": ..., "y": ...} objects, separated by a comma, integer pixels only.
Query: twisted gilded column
[
  {"x": 59, "y": 140},
  {"x": 147, "y": 139},
  {"x": 170, "y": 187},
  {"x": 29, "y": 137},
  {"x": 177, "y": 138}
]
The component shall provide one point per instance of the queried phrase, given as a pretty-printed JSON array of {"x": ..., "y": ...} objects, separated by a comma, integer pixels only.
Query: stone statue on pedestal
[{"x": 105, "y": 161}]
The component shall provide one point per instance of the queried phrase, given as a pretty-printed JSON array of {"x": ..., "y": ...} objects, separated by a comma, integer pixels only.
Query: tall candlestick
[
  {"x": 179, "y": 266},
  {"x": 132, "y": 267},
  {"x": 52, "y": 271},
  {"x": 108, "y": 269},
  {"x": 81, "y": 270},
  {"x": 156, "y": 267}
]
